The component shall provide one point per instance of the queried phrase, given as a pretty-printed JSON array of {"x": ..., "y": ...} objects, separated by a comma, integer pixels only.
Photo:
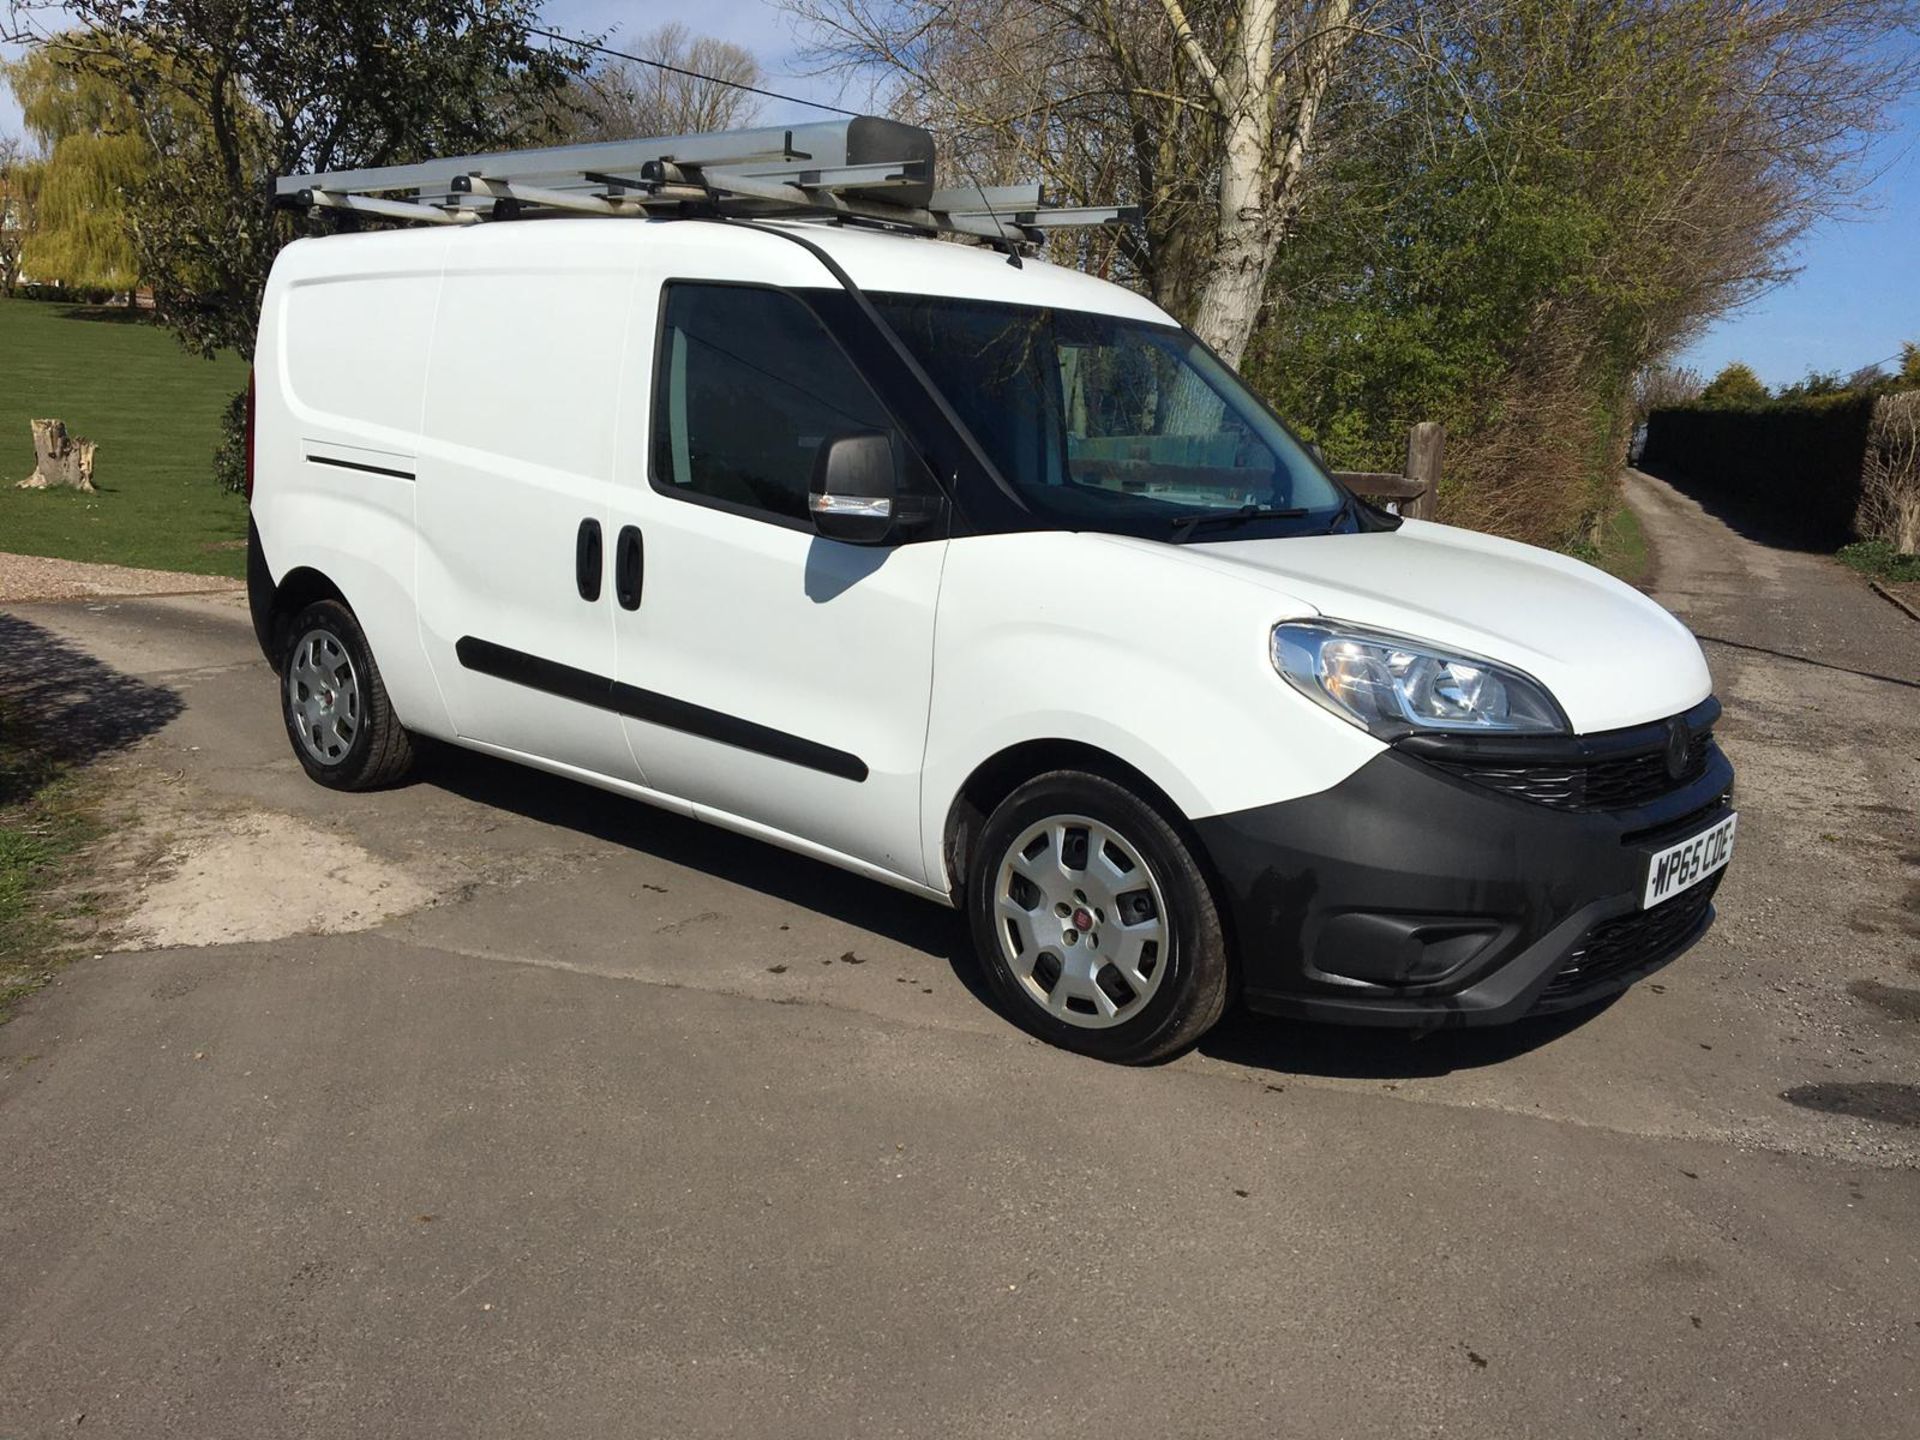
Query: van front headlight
[{"x": 1392, "y": 686}]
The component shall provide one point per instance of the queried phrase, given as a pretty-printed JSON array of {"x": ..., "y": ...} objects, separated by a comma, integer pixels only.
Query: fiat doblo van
[{"x": 986, "y": 581}]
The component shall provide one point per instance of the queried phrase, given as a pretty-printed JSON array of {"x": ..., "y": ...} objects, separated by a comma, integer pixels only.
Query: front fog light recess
[{"x": 1391, "y": 685}]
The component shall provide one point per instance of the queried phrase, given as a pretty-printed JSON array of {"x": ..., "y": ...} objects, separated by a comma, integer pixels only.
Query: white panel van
[{"x": 986, "y": 581}]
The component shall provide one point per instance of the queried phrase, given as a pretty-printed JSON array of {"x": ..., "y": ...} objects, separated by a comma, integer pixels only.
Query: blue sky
[
  {"x": 1855, "y": 298},
  {"x": 1857, "y": 295}
]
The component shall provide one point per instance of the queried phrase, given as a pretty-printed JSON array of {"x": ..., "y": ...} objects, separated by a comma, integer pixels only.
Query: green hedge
[{"x": 1794, "y": 464}]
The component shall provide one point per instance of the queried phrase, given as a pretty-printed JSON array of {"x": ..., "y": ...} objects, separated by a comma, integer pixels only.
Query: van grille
[
  {"x": 1618, "y": 783},
  {"x": 1619, "y": 947},
  {"x": 1611, "y": 770}
]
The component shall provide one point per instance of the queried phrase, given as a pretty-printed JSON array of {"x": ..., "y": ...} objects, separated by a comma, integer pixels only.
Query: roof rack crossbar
[
  {"x": 581, "y": 201},
  {"x": 316, "y": 198}
]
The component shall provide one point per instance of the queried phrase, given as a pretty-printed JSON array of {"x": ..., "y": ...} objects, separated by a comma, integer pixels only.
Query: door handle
[
  {"x": 629, "y": 567},
  {"x": 586, "y": 560}
]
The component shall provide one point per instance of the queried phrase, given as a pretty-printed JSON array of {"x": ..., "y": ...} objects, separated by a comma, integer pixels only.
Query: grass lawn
[
  {"x": 1878, "y": 560},
  {"x": 155, "y": 412},
  {"x": 1622, "y": 551}
]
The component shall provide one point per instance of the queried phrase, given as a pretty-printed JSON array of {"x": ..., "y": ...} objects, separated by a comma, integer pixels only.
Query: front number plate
[{"x": 1680, "y": 867}]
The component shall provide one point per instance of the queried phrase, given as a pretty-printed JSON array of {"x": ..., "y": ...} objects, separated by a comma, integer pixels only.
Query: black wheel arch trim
[
  {"x": 271, "y": 603},
  {"x": 261, "y": 592}
]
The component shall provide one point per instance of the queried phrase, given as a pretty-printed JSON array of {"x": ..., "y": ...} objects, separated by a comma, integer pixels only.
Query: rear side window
[{"x": 746, "y": 387}]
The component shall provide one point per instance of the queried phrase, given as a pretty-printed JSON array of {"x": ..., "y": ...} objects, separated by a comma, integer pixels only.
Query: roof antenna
[{"x": 1013, "y": 254}]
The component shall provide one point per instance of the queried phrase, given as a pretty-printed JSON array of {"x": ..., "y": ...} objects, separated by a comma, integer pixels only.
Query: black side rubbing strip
[
  {"x": 535, "y": 673},
  {"x": 654, "y": 708},
  {"x": 356, "y": 465}
]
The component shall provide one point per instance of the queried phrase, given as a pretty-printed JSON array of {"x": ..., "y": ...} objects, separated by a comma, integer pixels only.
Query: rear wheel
[
  {"x": 338, "y": 717},
  {"x": 1097, "y": 929}
]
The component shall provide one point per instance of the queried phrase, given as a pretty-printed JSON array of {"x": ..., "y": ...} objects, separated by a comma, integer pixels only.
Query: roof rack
[{"x": 864, "y": 169}]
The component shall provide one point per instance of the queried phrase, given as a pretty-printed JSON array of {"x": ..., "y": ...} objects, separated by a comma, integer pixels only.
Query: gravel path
[{"x": 35, "y": 577}]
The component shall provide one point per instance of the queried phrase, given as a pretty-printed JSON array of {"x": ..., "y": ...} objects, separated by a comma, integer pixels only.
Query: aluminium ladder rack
[{"x": 865, "y": 168}]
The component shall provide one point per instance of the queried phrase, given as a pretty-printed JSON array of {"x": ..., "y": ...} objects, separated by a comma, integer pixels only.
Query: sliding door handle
[
  {"x": 586, "y": 560},
  {"x": 629, "y": 567}
]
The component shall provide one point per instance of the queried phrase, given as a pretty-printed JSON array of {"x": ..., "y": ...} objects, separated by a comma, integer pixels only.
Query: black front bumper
[{"x": 1408, "y": 895}]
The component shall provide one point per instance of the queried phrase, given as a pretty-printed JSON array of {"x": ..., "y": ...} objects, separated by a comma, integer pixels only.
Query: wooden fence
[{"x": 1411, "y": 493}]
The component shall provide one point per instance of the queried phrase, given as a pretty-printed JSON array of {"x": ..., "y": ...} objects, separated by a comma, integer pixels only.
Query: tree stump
[{"x": 59, "y": 458}]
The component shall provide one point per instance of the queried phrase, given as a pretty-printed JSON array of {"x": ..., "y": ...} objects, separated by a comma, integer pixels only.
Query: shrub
[
  {"x": 1890, "y": 478},
  {"x": 1735, "y": 388},
  {"x": 230, "y": 455}
]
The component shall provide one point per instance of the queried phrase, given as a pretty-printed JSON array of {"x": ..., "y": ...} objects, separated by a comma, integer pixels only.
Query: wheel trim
[
  {"x": 1069, "y": 875},
  {"x": 323, "y": 696}
]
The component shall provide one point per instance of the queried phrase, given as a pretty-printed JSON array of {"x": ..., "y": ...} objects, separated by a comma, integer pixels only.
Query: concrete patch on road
[{"x": 258, "y": 875}]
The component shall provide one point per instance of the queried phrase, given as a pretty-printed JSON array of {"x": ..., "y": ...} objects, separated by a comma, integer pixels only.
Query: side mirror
[{"x": 854, "y": 488}]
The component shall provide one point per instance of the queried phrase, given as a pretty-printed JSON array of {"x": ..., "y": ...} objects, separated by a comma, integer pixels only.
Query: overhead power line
[{"x": 690, "y": 74}]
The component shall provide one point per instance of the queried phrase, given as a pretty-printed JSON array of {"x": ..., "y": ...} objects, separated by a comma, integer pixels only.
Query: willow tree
[
  {"x": 98, "y": 152},
  {"x": 280, "y": 86}
]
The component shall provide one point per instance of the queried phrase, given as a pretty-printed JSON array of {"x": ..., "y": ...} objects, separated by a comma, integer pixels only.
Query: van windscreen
[{"x": 1105, "y": 423}]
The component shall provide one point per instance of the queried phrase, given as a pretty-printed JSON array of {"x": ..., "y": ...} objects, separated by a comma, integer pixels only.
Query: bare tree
[
  {"x": 701, "y": 91},
  {"x": 1206, "y": 116},
  {"x": 1659, "y": 387}
]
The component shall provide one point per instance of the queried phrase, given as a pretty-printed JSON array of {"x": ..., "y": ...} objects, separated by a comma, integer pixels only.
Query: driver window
[{"x": 746, "y": 387}]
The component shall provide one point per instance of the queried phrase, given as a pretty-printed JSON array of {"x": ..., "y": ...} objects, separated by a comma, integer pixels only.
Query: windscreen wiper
[{"x": 1187, "y": 524}]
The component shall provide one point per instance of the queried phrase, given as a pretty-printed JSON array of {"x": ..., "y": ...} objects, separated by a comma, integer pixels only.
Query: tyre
[
  {"x": 1095, "y": 925},
  {"x": 336, "y": 709}
]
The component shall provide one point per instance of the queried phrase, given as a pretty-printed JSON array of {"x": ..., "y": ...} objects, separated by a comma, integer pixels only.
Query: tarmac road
[{"x": 497, "y": 1106}]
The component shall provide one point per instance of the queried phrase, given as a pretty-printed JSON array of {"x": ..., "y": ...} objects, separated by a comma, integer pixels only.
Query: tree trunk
[
  {"x": 1243, "y": 243},
  {"x": 1261, "y": 173},
  {"x": 59, "y": 458}
]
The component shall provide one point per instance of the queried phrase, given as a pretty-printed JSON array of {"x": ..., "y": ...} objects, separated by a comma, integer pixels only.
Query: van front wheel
[
  {"x": 342, "y": 726},
  {"x": 1097, "y": 929}
]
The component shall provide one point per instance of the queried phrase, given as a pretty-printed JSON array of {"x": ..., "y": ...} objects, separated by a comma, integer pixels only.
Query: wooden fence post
[
  {"x": 1426, "y": 447},
  {"x": 1413, "y": 493}
]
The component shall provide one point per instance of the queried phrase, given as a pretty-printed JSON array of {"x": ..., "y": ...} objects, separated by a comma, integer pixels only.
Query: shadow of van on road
[
  {"x": 76, "y": 707},
  {"x": 1298, "y": 1047},
  {"x": 680, "y": 840}
]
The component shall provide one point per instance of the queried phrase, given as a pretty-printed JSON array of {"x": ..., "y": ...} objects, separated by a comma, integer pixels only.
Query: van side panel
[
  {"x": 340, "y": 374},
  {"x": 516, "y": 453}
]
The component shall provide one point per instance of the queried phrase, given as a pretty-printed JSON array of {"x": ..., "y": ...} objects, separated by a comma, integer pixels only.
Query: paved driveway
[{"x": 495, "y": 1106}]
